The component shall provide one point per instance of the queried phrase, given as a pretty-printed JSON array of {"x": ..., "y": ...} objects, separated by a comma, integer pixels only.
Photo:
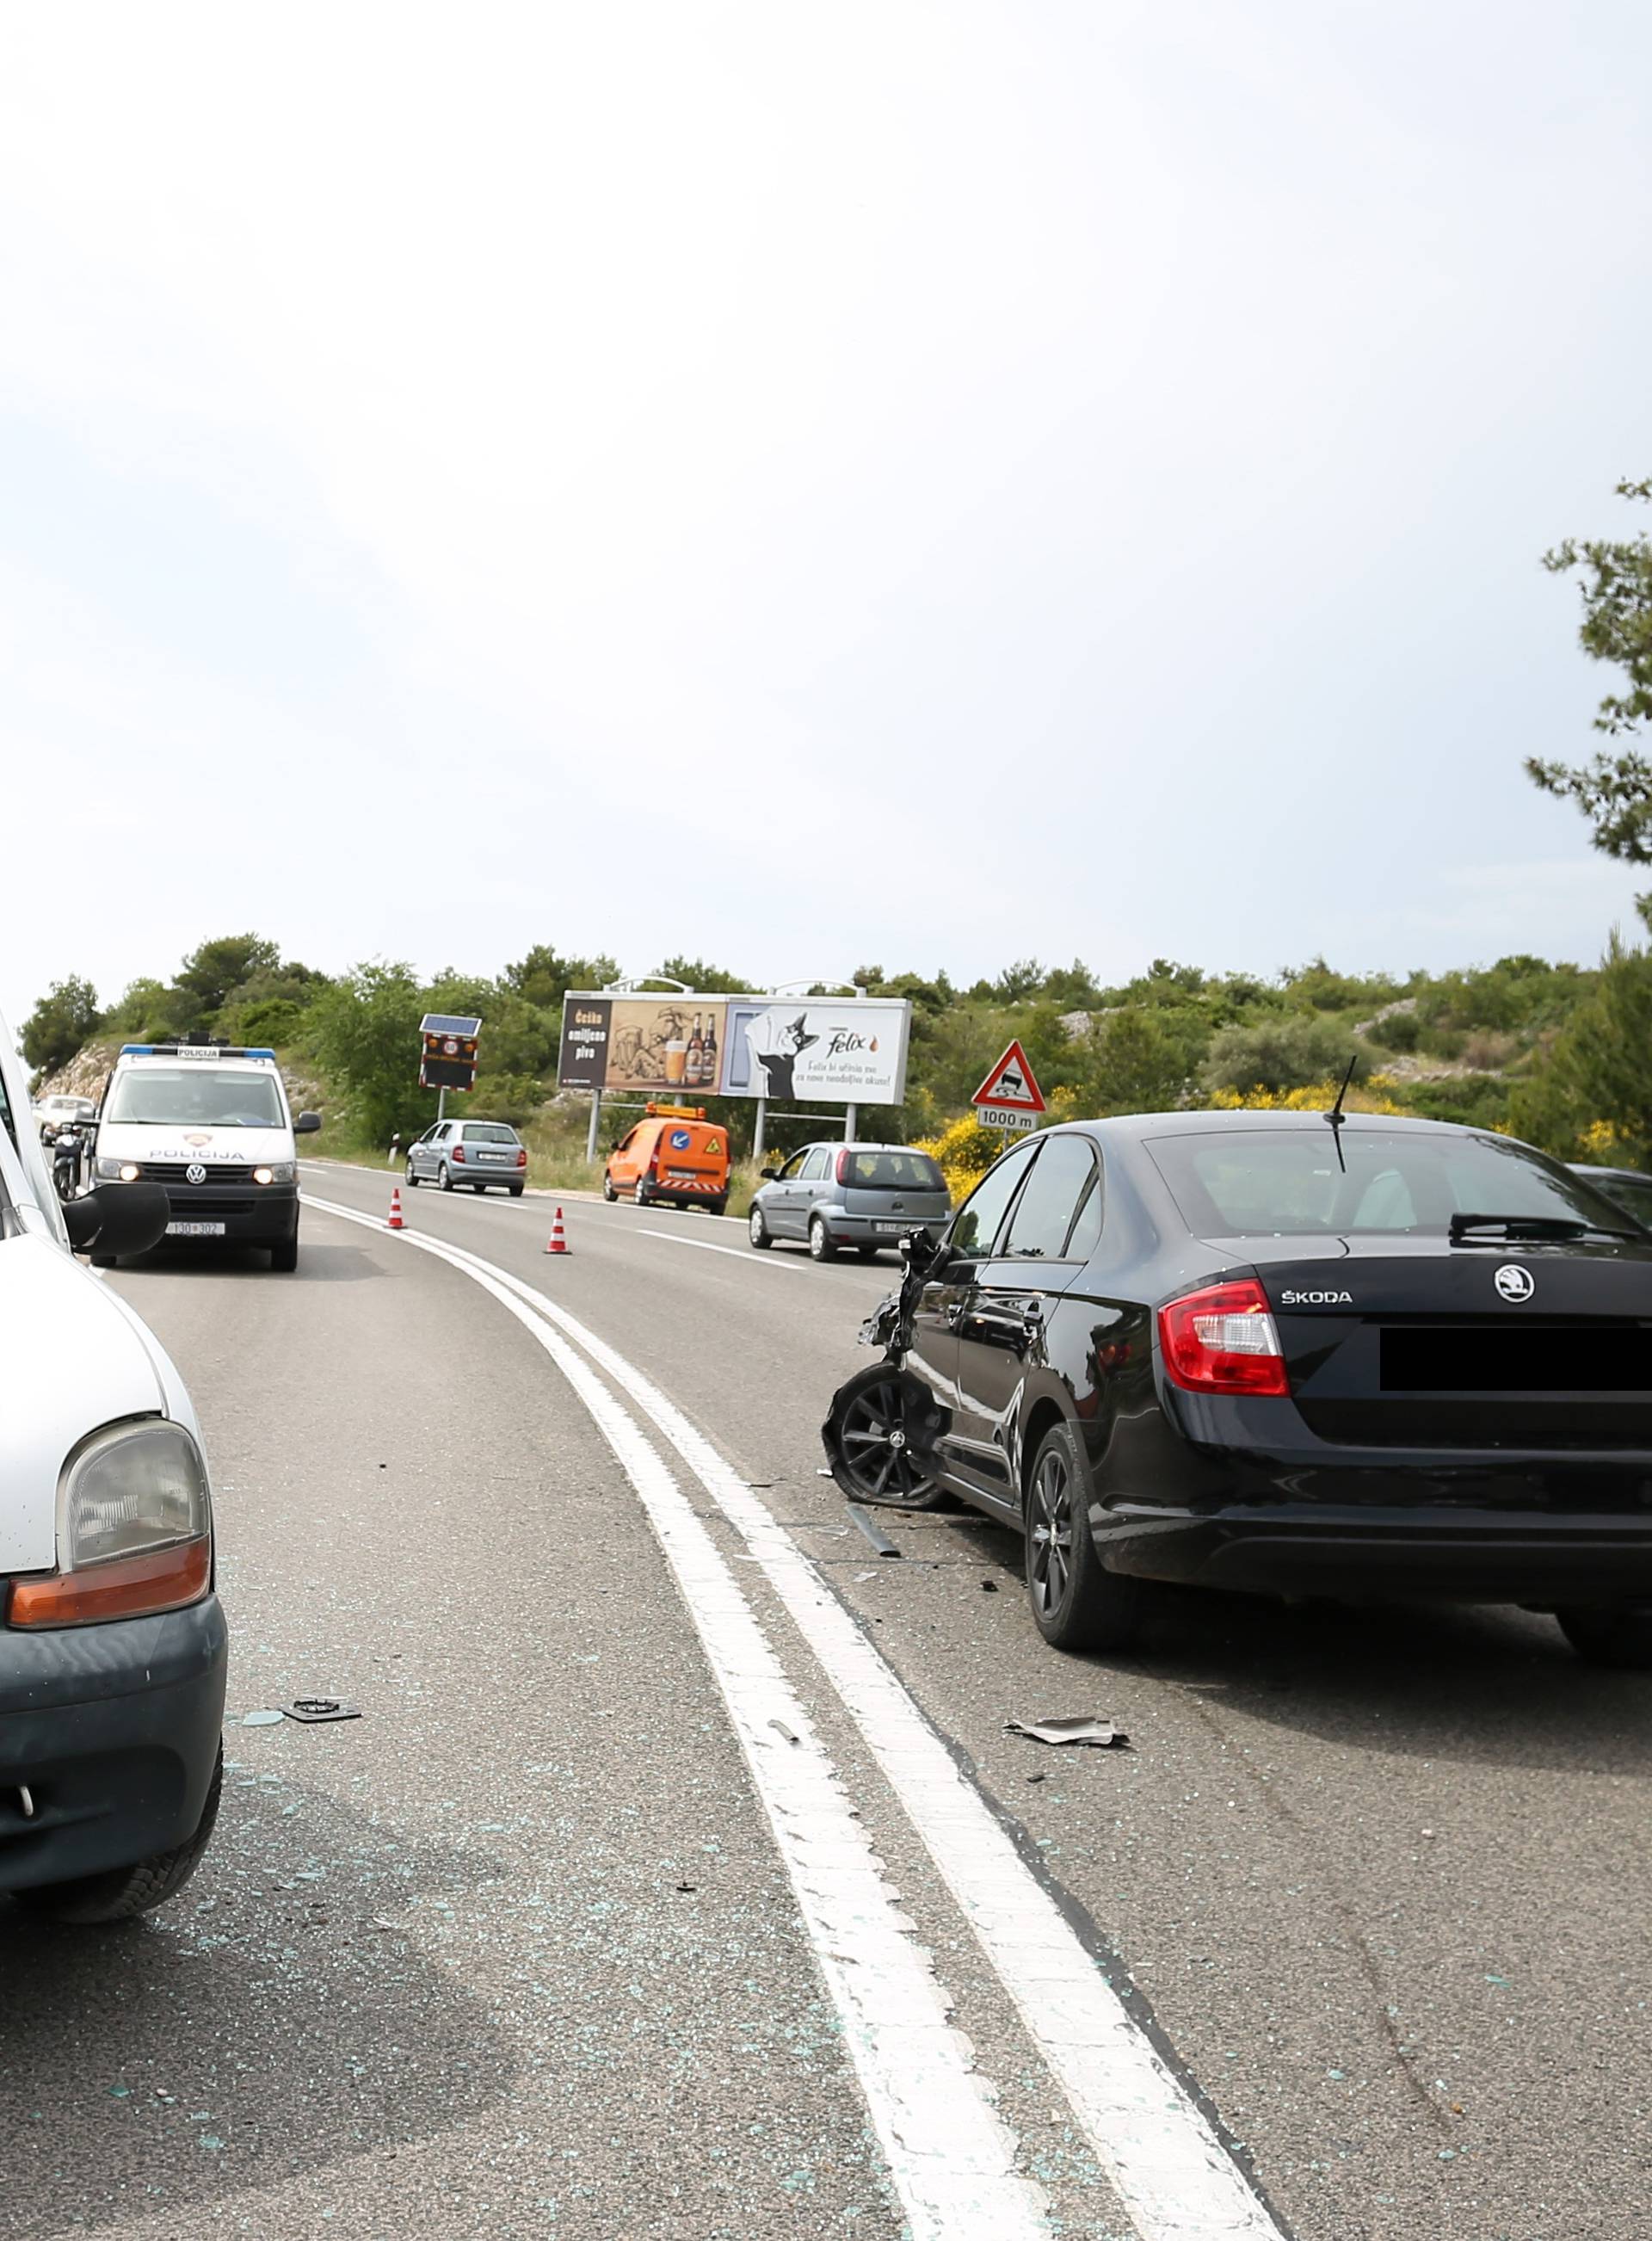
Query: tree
[
  {"x": 208, "y": 973},
  {"x": 1614, "y": 790},
  {"x": 543, "y": 977},
  {"x": 705, "y": 979},
  {"x": 63, "y": 1019},
  {"x": 1594, "y": 1083},
  {"x": 1279, "y": 1051},
  {"x": 365, "y": 1032}
]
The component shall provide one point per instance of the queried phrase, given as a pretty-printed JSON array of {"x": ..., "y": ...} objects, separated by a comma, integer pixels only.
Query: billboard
[
  {"x": 642, "y": 1042},
  {"x": 827, "y": 1049}
]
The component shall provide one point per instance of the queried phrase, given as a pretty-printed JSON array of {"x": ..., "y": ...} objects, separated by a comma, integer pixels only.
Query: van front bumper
[{"x": 109, "y": 1736}]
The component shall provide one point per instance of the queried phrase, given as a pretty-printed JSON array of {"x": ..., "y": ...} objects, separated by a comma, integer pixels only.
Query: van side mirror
[
  {"x": 306, "y": 1124},
  {"x": 117, "y": 1218}
]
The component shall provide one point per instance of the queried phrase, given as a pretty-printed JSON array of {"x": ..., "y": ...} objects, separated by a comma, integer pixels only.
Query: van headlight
[
  {"x": 134, "y": 1530},
  {"x": 116, "y": 1171},
  {"x": 276, "y": 1171}
]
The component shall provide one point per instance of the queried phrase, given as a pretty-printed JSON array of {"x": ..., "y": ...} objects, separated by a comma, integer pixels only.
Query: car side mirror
[
  {"x": 306, "y": 1124},
  {"x": 118, "y": 1218},
  {"x": 769, "y": 1175}
]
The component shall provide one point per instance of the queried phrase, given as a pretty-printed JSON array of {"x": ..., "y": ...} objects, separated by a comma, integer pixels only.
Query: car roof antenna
[{"x": 1336, "y": 1116}]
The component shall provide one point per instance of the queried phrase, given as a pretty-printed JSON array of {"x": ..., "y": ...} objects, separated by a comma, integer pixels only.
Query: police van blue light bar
[{"x": 197, "y": 1050}]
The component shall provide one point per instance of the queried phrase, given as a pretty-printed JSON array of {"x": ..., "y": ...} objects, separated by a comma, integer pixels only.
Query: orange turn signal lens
[{"x": 125, "y": 1587}]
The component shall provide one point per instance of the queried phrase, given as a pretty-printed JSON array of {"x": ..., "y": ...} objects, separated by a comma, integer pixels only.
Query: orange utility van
[{"x": 673, "y": 1157}]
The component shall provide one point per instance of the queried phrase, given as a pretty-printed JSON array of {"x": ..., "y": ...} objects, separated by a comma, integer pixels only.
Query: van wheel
[
  {"x": 758, "y": 1230},
  {"x": 1077, "y": 1604},
  {"x": 120, "y": 1894},
  {"x": 822, "y": 1244},
  {"x": 639, "y": 1196},
  {"x": 608, "y": 1191},
  {"x": 284, "y": 1254},
  {"x": 717, "y": 1206},
  {"x": 1620, "y": 1638},
  {"x": 443, "y": 1180}
]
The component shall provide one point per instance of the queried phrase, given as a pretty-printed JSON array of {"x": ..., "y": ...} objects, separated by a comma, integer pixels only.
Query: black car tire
[
  {"x": 410, "y": 1178},
  {"x": 822, "y": 1244},
  {"x": 609, "y": 1192},
  {"x": 102, "y": 1260},
  {"x": 1620, "y": 1638},
  {"x": 284, "y": 1254},
  {"x": 120, "y": 1894},
  {"x": 717, "y": 1206},
  {"x": 867, "y": 1429},
  {"x": 516, "y": 1189},
  {"x": 867, "y": 1252},
  {"x": 758, "y": 1230},
  {"x": 1077, "y": 1604}
]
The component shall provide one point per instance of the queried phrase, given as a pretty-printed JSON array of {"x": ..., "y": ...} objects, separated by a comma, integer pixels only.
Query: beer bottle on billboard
[
  {"x": 691, "y": 1069},
  {"x": 708, "y": 1054}
]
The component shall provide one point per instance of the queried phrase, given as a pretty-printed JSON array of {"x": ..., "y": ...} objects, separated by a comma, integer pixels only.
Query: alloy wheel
[
  {"x": 1050, "y": 1534},
  {"x": 877, "y": 1455}
]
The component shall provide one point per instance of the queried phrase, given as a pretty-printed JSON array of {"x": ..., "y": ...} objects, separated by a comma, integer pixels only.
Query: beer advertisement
[{"x": 670, "y": 1044}]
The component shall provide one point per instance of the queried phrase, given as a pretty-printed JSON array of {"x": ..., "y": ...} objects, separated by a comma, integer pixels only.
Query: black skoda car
[{"x": 1287, "y": 1351}]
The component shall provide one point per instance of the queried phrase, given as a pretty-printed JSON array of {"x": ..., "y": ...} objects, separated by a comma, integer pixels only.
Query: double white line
[{"x": 953, "y": 2161}]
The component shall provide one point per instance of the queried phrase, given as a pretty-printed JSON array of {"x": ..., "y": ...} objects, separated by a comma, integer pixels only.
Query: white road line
[
  {"x": 1150, "y": 2136},
  {"x": 950, "y": 2154},
  {"x": 734, "y": 1252}
]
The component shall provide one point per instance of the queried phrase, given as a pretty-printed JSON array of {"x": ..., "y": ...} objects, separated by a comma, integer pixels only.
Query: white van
[
  {"x": 113, "y": 1650},
  {"x": 209, "y": 1123}
]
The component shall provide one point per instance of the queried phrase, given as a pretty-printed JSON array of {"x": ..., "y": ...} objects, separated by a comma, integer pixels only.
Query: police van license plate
[{"x": 195, "y": 1229}]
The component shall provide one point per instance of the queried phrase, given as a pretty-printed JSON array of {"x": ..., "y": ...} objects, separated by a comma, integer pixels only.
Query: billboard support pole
[
  {"x": 756, "y": 1132},
  {"x": 441, "y": 1102},
  {"x": 850, "y": 1114},
  {"x": 596, "y": 1122}
]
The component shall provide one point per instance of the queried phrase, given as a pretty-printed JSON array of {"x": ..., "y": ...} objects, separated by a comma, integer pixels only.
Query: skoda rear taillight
[
  {"x": 1223, "y": 1339},
  {"x": 521, "y": 1157},
  {"x": 459, "y": 1153}
]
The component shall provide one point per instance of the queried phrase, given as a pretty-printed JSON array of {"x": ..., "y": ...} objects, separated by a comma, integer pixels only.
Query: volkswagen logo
[
  {"x": 197, "y": 1174},
  {"x": 1513, "y": 1283}
]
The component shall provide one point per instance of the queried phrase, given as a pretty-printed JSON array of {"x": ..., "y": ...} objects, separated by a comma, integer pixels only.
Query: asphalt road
[{"x": 526, "y": 1950}]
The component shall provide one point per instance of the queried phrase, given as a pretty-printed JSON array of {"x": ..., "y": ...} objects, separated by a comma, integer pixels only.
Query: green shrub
[{"x": 1281, "y": 1051}]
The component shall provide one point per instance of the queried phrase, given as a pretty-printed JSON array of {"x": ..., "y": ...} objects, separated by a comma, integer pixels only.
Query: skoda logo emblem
[
  {"x": 197, "y": 1174},
  {"x": 1513, "y": 1283}
]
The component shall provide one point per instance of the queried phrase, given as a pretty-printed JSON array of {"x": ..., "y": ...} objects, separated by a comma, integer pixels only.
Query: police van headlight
[
  {"x": 278, "y": 1171},
  {"x": 134, "y": 1530},
  {"x": 116, "y": 1171}
]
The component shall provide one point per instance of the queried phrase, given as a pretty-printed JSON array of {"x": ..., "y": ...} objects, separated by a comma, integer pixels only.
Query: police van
[{"x": 210, "y": 1122}]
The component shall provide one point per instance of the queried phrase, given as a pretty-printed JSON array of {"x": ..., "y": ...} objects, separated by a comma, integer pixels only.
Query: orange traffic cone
[
  {"x": 394, "y": 1221},
  {"x": 559, "y": 1243}
]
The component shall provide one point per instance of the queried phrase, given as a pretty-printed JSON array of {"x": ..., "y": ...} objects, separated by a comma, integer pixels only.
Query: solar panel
[{"x": 444, "y": 1023}]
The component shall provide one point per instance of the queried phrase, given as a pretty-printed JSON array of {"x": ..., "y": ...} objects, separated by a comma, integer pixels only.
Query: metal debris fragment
[
  {"x": 309, "y": 1711},
  {"x": 1101, "y": 1735}
]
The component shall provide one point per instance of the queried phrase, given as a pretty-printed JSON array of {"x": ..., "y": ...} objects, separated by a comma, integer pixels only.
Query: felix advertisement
[{"x": 821, "y": 1049}]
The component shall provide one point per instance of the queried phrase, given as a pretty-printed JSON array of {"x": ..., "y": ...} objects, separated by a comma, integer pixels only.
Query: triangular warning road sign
[{"x": 1010, "y": 1086}]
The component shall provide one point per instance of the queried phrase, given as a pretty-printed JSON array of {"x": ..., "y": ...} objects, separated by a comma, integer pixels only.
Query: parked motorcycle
[{"x": 68, "y": 1160}]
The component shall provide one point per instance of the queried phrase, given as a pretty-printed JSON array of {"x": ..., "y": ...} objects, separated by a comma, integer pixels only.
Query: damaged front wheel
[{"x": 869, "y": 1439}]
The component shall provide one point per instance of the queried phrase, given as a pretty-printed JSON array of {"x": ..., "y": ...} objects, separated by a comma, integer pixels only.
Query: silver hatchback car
[
  {"x": 865, "y": 1196},
  {"x": 475, "y": 1155}
]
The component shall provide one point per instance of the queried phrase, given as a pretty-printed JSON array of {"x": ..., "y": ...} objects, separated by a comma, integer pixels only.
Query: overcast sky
[{"x": 895, "y": 483}]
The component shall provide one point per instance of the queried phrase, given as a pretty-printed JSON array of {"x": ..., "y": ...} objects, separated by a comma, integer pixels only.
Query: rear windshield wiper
[{"x": 1477, "y": 1228}]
